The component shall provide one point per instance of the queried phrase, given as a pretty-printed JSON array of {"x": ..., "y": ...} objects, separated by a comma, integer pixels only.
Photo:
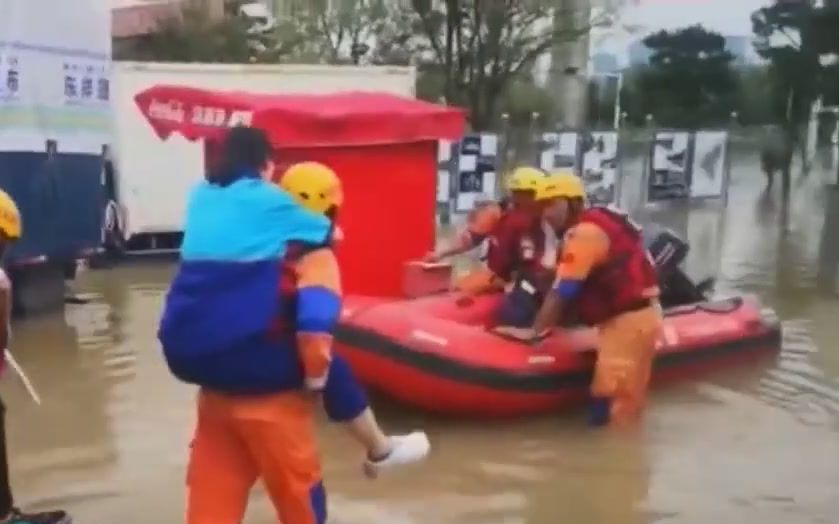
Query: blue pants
[
  {"x": 343, "y": 397},
  {"x": 519, "y": 307}
]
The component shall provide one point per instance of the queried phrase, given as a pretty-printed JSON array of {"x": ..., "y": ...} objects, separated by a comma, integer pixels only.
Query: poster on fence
[
  {"x": 705, "y": 229},
  {"x": 600, "y": 166},
  {"x": 708, "y": 170},
  {"x": 444, "y": 171},
  {"x": 559, "y": 150},
  {"x": 669, "y": 175},
  {"x": 477, "y": 165}
]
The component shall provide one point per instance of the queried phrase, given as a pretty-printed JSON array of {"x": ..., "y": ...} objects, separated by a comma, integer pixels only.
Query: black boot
[
  {"x": 599, "y": 410},
  {"x": 46, "y": 517}
]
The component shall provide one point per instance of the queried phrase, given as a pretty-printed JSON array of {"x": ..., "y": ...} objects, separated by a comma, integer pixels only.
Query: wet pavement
[{"x": 747, "y": 445}]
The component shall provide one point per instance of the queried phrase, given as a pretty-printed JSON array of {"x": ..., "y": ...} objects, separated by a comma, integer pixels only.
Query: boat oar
[{"x": 23, "y": 378}]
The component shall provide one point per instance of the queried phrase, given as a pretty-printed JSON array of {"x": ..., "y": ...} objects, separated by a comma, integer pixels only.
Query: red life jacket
[
  {"x": 516, "y": 244},
  {"x": 284, "y": 323},
  {"x": 627, "y": 281}
]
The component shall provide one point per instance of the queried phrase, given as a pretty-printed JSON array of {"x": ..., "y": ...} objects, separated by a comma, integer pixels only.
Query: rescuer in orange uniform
[
  {"x": 310, "y": 268},
  {"x": 11, "y": 229},
  {"x": 513, "y": 230},
  {"x": 239, "y": 439},
  {"x": 255, "y": 409},
  {"x": 532, "y": 281},
  {"x": 604, "y": 271},
  {"x": 249, "y": 318}
]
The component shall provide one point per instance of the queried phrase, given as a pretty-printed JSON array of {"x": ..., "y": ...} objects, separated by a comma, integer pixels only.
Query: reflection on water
[{"x": 754, "y": 444}]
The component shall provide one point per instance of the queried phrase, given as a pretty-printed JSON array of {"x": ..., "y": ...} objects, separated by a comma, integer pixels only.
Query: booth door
[{"x": 388, "y": 216}]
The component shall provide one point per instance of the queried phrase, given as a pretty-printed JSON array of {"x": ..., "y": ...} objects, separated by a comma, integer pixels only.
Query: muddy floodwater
[{"x": 753, "y": 445}]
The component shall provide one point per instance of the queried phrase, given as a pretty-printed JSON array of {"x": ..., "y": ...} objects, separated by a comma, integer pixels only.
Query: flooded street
[{"x": 110, "y": 441}]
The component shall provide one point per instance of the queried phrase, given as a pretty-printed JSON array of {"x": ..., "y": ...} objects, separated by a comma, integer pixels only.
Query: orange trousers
[
  {"x": 626, "y": 348},
  {"x": 241, "y": 439}
]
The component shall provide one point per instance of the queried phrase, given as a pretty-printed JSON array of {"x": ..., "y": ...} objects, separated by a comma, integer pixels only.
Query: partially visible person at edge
[
  {"x": 312, "y": 278},
  {"x": 256, "y": 402},
  {"x": 777, "y": 146},
  {"x": 10, "y": 231},
  {"x": 512, "y": 227},
  {"x": 606, "y": 273}
]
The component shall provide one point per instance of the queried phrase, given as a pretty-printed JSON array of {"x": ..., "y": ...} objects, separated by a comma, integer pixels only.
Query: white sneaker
[{"x": 406, "y": 449}]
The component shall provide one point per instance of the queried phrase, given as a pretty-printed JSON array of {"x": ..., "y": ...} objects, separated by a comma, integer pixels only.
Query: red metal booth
[{"x": 383, "y": 147}]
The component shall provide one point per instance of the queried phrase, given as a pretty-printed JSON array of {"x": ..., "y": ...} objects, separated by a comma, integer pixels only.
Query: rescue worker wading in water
[
  {"x": 255, "y": 419},
  {"x": 513, "y": 230},
  {"x": 605, "y": 272},
  {"x": 258, "y": 352},
  {"x": 531, "y": 282},
  {"x": 11, "y": 229},
  {"x": 313, "y": 269}
]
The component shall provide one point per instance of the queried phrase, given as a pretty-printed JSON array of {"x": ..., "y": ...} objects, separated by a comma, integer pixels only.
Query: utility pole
[
  {"x": 569, "y": 61},
  {"x": 826, "y": 37}
]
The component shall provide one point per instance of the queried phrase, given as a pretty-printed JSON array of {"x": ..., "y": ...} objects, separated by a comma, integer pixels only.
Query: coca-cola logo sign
[
  {"x": 171, "y": 111},
  {"x": 175, "y": 111}
]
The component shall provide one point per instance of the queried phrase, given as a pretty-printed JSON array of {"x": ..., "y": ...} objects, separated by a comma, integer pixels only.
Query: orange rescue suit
[
  {"x": 242, "y": 438},
  {"x": 605, "y": 272}
]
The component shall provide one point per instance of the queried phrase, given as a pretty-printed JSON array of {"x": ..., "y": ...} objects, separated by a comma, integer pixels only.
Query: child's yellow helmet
[{"x": 314, "y": 186}]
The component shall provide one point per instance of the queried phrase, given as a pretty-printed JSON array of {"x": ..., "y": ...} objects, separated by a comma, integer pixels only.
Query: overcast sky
[{"x": 730, "y": 17}]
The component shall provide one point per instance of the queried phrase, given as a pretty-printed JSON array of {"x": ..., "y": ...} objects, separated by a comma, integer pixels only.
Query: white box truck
[
  {"x": 153, "y": 177},
  {"x": 55, "y": 121}
]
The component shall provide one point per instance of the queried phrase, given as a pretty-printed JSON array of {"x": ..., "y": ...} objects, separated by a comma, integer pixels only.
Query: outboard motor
[{"x": 668, "y": 251}]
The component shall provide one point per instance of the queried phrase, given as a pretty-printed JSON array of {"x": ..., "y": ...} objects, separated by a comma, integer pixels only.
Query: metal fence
[{"x": 674, "y": 165}]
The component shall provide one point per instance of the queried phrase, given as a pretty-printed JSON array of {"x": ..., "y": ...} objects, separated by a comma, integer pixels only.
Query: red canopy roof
[{"x": 352, "y": 118}]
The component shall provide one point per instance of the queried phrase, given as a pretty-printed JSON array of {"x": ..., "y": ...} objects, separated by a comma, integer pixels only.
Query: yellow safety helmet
[
  {"x": 563, "y": 171},
  {"x": 10, "y": 223},
  {"x": 525, "y": 179},
  {"x": 314, "y": 186},
  {"x": 561, "y": 185}
]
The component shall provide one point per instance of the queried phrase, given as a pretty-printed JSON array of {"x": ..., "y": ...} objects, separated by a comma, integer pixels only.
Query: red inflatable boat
[{"x": 436, "y": 353}]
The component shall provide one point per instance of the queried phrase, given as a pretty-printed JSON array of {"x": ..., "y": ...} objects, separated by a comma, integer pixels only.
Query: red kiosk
[{"x": 383, "y": 147}]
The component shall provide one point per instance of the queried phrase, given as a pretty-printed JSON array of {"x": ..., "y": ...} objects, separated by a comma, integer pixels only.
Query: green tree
[
  {"x": 473, "y": 53},
  {"x": 793, "y": 36},
  {"x": 601, "y": 101},
  {"x": 632, "y": 95},
  {"x": 690, "y": 81},
  {"x": 824, "y": 27},
  {"x": 781, "y": 37},
  {"x": 754, "y": 96},
  {"x": 348, "y": 31},
  {"x": 478, "y": 48},
  {"x": 824, "y": 30},
  {"x": 192, "y": 36}
]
